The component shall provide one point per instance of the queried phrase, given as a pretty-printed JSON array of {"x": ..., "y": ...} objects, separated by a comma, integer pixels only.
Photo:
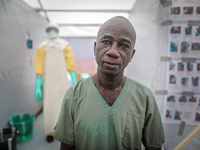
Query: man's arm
[
  {"x": 153, "y": 132},
  {"x": 64, "y": 146}
]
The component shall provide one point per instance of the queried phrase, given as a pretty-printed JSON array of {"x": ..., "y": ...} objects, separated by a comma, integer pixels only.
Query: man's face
[{"x": 114, "y": 48}]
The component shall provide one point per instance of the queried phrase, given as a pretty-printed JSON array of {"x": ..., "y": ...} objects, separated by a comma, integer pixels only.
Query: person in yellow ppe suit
[{"x": 54, "y": 58}]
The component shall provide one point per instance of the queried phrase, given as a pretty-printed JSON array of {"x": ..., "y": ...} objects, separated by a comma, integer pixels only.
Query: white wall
[
  {"x": 17, "y": 78},
  {"x": 144, "y": 18},
  {"x": 146, "y": 67}
]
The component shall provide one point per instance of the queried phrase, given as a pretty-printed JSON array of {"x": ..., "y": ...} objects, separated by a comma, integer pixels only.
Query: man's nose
[{"x": 113, "y": 51}]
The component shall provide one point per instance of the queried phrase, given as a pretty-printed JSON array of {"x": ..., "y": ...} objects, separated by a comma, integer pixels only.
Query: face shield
[{"x": 52, "y": 31}]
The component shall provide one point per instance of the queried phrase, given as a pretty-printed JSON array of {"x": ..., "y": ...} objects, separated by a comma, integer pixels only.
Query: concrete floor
[{"x": 38, "y": 142}]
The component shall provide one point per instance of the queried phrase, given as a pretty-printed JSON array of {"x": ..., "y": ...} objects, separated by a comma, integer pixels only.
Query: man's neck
[{"x": 108, "y": 82}]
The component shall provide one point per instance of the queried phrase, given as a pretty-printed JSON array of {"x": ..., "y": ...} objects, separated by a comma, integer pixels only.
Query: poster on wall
[
  {"x": 184, "y": 10},
  {"x": 184, "y": 41},
  {"x": 179, "y": 108},
  {"x": 183, "y": 76}
]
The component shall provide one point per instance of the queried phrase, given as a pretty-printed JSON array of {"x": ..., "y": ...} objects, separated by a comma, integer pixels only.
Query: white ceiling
[{"x": 78, "y": 15}]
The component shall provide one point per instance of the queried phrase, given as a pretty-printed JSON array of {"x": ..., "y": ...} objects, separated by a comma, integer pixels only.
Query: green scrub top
[{"x": 89, "y": 123}]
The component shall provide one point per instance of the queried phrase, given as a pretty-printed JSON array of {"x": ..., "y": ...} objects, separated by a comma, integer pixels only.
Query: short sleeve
[
  {"x": 39, "y": 60},
  {"x": 69, "y": 58},
  {"x": 64, "y": 130},
  {"x": 153, "y": 133}
]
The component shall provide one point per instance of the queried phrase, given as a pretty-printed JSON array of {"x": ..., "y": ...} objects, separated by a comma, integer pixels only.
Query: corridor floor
[{"x": 38, "y": 142}]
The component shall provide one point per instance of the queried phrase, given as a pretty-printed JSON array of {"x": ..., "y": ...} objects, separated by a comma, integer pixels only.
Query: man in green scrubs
[{"x": 109, "y": 111}]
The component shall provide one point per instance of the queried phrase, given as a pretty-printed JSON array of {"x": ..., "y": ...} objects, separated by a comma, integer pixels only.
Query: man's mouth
[{"x": 111, "y": 63}]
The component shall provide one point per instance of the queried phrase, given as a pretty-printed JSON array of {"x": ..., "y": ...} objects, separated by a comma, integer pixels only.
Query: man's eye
[
  {"x": 124, "y": 46},
  {"x": 106, "y": 42}
]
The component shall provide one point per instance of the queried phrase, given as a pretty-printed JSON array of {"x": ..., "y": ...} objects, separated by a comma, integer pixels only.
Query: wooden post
[{"x": 188, "y": 138}]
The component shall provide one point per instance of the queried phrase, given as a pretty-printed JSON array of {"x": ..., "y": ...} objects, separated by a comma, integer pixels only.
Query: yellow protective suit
[{"x": 53, "y": 59}]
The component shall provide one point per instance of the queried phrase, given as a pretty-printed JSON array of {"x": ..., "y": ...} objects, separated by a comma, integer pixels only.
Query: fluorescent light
[
  {"x": 88, "y": 4},
  {"x": 81, "y": 18}
]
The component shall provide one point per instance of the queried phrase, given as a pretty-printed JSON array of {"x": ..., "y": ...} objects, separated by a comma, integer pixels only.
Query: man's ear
[
  {"x": 132, "y": 55},
  {"x": 94, "y": 47}
]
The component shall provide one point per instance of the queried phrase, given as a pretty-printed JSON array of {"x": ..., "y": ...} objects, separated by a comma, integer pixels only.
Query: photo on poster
[
  {"x": 198, "y": 66},
  {"x": 192, "y": 99},
  {"x": 197, "y": 33},
  {"x": 184, "y": 81},
  {"x": 197, "y": 116},
  {"x": 175, "y": 30},
  {"x": 190, "y": 67},
  {"x": 171, "y": 98},
  {"x": 172, "y": 79},
  {"x": 195, "y": 81},
  {"x": 173, "y": 46},
  {"x": 168, "y": 113},
  {"x": 188, "y": 10},
  {"x": 171, "y": 82},
  {"x": 195, "y": 47},
  {"x": 182, "y": 99},
  {"x": 180, "y": 66},
  {"x": 172, "y": 66},
  {"x": 197, "y": 10},
  {"x": 177, "y": 115},
  {"x": 185, "y": 47},
  {"x": 199, "y": 103},
  {"x": 188, "y": 30},
  {"x": 175, "y": 10}
]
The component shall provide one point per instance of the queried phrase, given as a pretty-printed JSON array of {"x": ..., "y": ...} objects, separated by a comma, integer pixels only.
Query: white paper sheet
[
  {"x": 185, "y": 10},
  {"x": 184, "y": 41},
  {"x": 179, "y": 108},
  {"x": 183, "y": 76}
]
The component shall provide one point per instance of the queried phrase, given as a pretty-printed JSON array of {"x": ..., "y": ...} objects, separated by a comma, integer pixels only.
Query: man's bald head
[{"x": 121, "y": 23}]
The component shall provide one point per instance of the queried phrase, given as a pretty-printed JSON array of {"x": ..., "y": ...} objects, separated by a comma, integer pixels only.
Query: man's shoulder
[
  {"x": 137, "y": 85},
  {"x": 141, "y": 92},
  {"x": 82, "y": 82},
  {"x": 79, "y": 87}
]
